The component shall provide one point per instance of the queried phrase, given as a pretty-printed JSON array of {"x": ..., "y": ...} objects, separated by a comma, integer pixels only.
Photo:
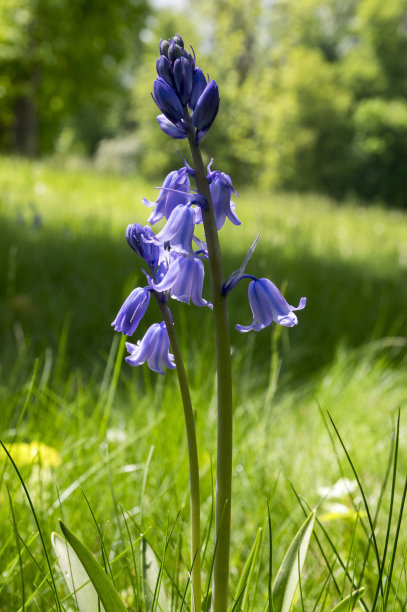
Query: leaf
[
  {"x": 75, "y": 575},
  {"x": 103, "y": 586},
  {"x": 246, "y": 576},
  {"x": 347, "y": 604},
  {"x": 152, "y": 576},
  {"x": 288, "y": 575}
]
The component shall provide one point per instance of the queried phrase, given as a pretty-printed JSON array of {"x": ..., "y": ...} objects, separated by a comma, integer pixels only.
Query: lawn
[{"x": 114, "y": 436}]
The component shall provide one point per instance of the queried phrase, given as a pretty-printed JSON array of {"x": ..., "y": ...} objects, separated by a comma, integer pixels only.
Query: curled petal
[
  {"x": 269, "y": 305},
  {"x": 184, "y": 280},
  {"x": 153, "y": 349},
  {"x": 170, "y": 129}
]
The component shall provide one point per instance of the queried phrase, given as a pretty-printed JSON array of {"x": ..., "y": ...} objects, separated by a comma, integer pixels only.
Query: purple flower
[
  {"x": 205, "y": 110},
  {"x": 268, "y": 305},
  {"x": 170, "y": 129},
  {"x": 139, "y": 239},
  {"x": 184, "y": 279},
  {"x": 183, "y": 78},
  {"x": 198, "y": 85},
  {"x": 179, "y": 229},
  {"x": 167, "y": 100},
  {"x": 178, "y": 180},
  {"x": 221, "y": 189},
  {"x": 153, "y": 348},
  {"x": 132, "y": 311}
]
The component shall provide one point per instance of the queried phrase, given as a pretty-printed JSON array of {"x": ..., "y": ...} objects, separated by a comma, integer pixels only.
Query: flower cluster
[{"x": 175, "y": 255}]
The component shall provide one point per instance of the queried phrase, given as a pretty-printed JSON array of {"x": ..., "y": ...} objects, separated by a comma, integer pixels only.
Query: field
[{"x": 114, "y": 454}]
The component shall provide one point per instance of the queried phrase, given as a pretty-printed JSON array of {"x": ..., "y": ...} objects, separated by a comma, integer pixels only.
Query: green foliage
[{"x": 65, "y": 63}]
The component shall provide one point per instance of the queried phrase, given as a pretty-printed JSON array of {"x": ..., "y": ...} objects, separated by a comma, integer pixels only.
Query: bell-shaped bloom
[
  {"x": 183, "y": 78},
  {"x": 221, "y": 189},
  {"x": 175, "y": 184},
  {"x": 153, "y": 348},
  {"x": 205, "y": 110},
  {"x": 184, "y": 279},
  {"x": 198, "y": 85},
  {"x": 139, "y": 239},
  {"x": 170, "y": 129},
  {"x": 132, "y": 311},
  {"x": 179, "y": 229},
  {"x": 167, "y": 100},
  {"x": 268, "y": 305}
]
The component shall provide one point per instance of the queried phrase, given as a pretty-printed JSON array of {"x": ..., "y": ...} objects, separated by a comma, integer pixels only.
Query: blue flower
[
  {"x": 184, "y": 279},
  {"x": 221, "y": 188},
  {"x": 183, "y": 71},
  {"x": 170, "y": 129},
  {"x": 175, "y": 184},
  {"x": 268, "y": 305},
  {"x": 153, "y": 348},
  {"x": 179, "y": 229},
  {"x": 132, "y": 311},
  {"x": 167, "y": 101},
  {"x": 198, "y": 85},
  {"x": 205, "y": 110},
  {"x": 139, "y": 239}
]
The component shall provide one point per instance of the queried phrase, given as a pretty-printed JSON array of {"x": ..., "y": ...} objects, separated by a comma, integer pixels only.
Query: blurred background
[{"x": 313, "y": 91}]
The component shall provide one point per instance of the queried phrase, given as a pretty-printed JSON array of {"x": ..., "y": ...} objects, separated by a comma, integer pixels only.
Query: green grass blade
[
  {"x": 347, "y": 604},
  {"x": 247, "y": 573},
  {"x": 288, "y": 575},
  {"x": 104, "y": 588}
]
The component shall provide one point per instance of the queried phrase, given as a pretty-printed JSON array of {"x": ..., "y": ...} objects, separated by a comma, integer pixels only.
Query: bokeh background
[{"x": 312, "y": 129}]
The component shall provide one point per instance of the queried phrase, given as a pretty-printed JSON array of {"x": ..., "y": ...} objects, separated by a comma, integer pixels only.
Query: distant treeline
[{"x": 313, "y": 92}]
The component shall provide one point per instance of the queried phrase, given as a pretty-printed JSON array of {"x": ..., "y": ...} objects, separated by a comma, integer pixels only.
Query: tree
[{"x": 64, "y": 62}]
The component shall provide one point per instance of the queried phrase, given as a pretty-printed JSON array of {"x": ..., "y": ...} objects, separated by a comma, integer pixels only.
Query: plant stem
[
  {"x": 224, "y": 374},
  {"x": 193, "y": 459}
]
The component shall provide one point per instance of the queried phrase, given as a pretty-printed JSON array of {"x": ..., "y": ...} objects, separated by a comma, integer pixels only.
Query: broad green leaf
[
  {"x": 286, "y": 581},
  {"x": 347, "y": 604},
  {"x": 247, "y": 573},
  {"x": 74, "y": 573},
  {"x": 103, "y": 586}
]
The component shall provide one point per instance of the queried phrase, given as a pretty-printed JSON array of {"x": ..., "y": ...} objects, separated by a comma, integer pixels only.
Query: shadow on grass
[{"x": 79, "y": 280}]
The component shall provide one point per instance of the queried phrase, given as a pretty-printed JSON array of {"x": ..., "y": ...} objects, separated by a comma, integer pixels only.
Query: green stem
[
  {"x": 193, "y": 459},
  {"x": 225, "y": 434}
]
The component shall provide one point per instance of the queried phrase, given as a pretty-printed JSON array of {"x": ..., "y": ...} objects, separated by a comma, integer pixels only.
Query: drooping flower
[
  {"x": 179, "y": 229},
  {"x": 153, "y": 349},
  {"x": 175, "y": 185},
  {"x": 184, "y": 279},
  {"x": 139, "y": 239},
  {"x": 170, "y": 129},
  {"x": 132, "y": 311},
  {"x": 269, "y": 305},
  {"x": 221, "y": 188}
]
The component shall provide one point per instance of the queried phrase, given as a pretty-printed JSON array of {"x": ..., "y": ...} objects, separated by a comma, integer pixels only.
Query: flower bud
[
  {"x": 183, "y": 78},
  {"x": 198, "y": 86},
  {"x": 178, "y": 40},
  {"x": 170, "y": 129},
  {"x": 167, "y": 100},
  {"x": 206, "y": 110},
  {"x": 174, "y": 52},
  {"x": 164, "y": 69},
  {"x": 139, "y": 239},
  {"x": 164, "y": 46}
]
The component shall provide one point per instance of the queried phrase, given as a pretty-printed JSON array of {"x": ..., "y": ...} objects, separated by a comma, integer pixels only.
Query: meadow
[{"x": 103, "y": 446}]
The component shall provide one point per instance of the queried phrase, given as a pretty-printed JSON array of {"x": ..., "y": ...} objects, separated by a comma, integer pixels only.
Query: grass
[{"x": 116, "y": 435}]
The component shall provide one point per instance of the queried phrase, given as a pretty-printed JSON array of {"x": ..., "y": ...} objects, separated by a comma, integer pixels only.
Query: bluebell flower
[
  {"x": 205, "y": 110},
  {"x": 139, "y": 239},
  {"x": 183, "y": 78},
  {"x": 164, "y": 70},
  {"x": 153, "y": 348},
  {"x": 179, "y": 229},
  {"x": 268, "y": 305},
  {"x": 198, "y": 85},
  {"x": 184, "y": 279},
  {"x": 132, "y": 311},
  {"x": 167, "y": 101},
  {"x": 221, "y": 188},
  {"x": 170, "y": 129},
  {"x": 175, "y": 184}
]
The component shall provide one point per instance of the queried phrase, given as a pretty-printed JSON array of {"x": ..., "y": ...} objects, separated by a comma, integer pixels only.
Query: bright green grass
[{"x": 66, "y": 268}]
